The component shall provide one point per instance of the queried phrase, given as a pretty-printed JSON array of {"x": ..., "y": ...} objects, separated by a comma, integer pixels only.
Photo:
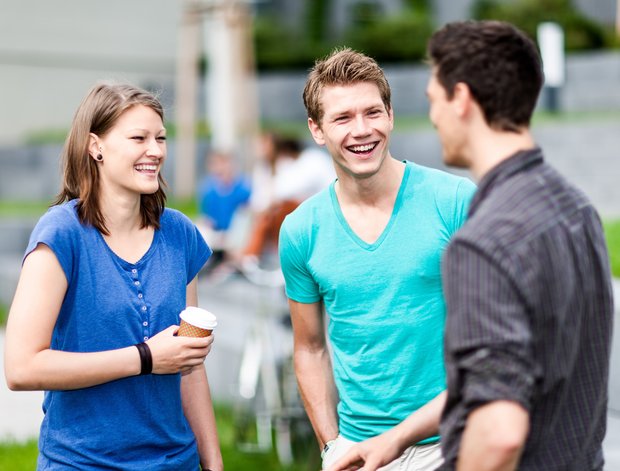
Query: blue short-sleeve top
[{"x": 131, "y": 423}]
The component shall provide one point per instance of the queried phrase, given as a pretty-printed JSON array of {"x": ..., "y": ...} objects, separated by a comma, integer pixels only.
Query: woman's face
[{"x": 133, "y": 152}]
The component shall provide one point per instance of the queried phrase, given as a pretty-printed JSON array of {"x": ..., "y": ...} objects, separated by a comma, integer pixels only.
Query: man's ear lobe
[{"x": 317, "y": 133}]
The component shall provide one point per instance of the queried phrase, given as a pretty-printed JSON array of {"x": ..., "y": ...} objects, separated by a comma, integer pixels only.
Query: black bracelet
[{"x": 146, "y": 359}]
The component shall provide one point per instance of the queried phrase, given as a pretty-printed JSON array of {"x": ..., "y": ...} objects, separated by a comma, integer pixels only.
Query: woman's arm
[
  {"x": 198, "y": 407},
  {"x": 30, "y": 364}
]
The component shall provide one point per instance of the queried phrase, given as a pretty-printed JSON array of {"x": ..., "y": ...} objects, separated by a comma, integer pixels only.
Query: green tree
[
  {"x": 316, "y": 20},
  {"x": 579, "y": 31},
  {"x": 386, "y": 38},
  {"x": 392, "y": 39}
]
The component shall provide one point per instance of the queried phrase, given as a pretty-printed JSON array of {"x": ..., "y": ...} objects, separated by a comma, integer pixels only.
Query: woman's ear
[{"x": 94, "y": 146}]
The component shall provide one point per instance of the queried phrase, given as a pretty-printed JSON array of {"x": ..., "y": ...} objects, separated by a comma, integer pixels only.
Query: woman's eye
[
  {"x": 137, "y": 138},
  {"x": 161, "y": 138}
]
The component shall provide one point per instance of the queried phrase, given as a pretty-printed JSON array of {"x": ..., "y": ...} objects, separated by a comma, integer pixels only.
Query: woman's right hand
[{"x": 174, "y": 354}]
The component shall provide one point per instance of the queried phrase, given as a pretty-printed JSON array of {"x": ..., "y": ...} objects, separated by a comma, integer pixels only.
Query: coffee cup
[{"x": 196, "y": 322}]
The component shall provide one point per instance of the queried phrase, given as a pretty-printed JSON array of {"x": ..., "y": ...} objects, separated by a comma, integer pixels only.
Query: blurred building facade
[{"x": 52, "y": 52}]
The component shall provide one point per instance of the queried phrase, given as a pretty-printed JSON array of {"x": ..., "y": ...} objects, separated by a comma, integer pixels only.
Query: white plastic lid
[{"x": 199, "y": 317}]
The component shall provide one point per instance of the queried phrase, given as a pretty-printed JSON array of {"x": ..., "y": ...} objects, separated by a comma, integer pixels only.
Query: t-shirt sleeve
[
  {"x": 60, "y": 232},
  {"x": 465, "y": 191},
  {"x": 299, "y": 283},
  {"x": 488, "y": 333},
  {"x": 198, "y": 250}
]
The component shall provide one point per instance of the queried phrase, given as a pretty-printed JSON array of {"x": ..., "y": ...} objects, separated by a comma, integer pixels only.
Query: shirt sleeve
[
  {"x": 465, "y": 191},
  {"x": 488, "y": 335},
  {"x": 184, "y": 234},
  {"x": 59, "y": 231},
  {"x": 299, "y": 283},
  {"x": 199, "y": 252}
]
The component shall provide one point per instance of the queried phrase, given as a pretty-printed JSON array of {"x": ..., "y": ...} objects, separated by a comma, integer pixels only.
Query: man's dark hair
[{"x": 499, "y": 63}]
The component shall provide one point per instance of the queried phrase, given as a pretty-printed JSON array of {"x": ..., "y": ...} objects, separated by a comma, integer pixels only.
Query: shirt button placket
[{"x": 144, "y": 311}]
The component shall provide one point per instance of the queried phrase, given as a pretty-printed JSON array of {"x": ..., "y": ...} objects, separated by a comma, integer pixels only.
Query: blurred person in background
[
  {"x": 264, "y": 170},
  {"x": 297, "y": 174},
  {"x": 527, "y": 278},
  {"x": 105, "y": 275},
  {"x": 367, "y": 250},
  {"x": 221, "y": 194}
]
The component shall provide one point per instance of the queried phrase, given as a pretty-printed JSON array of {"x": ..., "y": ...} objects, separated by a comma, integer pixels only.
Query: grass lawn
[
  {"x": 36, "y": 209},
  {"x": 18, "y": 456},
  {"x": 4, "y": 312},
  {"x": 23, "y": 456},
  {"x": 612, "y": 233}
]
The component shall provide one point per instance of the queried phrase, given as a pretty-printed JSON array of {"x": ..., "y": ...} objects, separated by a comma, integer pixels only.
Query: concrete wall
[
  {"x": 592, "y": 84},
  {"x": 584, "y": 150},
  {"x": 52, "y": 52}
]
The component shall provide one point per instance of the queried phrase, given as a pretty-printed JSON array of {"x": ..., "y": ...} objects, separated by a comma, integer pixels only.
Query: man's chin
[{"x": 455, "y": 161}]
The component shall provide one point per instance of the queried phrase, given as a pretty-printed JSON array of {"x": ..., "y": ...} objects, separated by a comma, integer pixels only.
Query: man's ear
[
  {"x": 317, "y": 133},
  {"x": 462, "y": 98}
]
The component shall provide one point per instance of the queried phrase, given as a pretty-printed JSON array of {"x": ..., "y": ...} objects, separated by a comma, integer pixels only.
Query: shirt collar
[{"x": 516, "y": 163}]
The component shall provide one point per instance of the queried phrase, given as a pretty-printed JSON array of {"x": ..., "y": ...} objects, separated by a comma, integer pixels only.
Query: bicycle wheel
[
  {"x": 295, "y": 441},
  {"x": 252, "y": 424}
]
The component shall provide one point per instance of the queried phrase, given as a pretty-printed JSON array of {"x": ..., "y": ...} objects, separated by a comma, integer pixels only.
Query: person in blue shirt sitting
[{"x": 221, "y": 193}]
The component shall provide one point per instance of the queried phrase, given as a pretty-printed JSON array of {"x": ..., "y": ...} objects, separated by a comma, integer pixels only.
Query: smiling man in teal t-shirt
[{"x": 368, "y": 250}]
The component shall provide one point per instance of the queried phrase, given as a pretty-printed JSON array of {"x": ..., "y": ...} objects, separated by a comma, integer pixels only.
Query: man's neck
[
  {"x": 378, "y": 190},
  {"x": 490, "y": 148},
  {"x": 367, "y": 204}
]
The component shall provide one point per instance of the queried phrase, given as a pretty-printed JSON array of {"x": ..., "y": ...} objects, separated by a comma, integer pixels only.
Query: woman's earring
[{"x": 99, "y": 157}]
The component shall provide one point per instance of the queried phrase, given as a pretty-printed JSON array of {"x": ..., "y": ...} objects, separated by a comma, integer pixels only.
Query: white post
[
  {"x": 551, "y": 42},
  {"x": 231, "y": 85},
  {"x": 186, "y": 97},
  {"x": 618, "y": 18}
]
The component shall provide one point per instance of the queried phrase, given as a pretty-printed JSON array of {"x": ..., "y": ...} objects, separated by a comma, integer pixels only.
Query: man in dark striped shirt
[{"x": 526, "y": 279}]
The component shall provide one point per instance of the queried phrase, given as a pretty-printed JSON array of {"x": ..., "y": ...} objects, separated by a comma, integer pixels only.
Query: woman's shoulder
[
  {"x": 174, "y": 216},
  {"x": 173, "y": 221},
  {"x": 63, "y": 216}
]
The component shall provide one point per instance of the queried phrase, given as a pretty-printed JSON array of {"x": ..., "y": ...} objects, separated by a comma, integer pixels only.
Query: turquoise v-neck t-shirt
[{"x": 384, "y": 300}]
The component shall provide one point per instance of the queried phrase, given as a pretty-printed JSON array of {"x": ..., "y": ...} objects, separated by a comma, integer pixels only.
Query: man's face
[
  {"x": 443, "y": 114},
  {"x": 355, "y": 128}
]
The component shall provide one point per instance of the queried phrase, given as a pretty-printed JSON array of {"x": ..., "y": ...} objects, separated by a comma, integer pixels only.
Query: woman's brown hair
[{"x": 97, "y": 113}]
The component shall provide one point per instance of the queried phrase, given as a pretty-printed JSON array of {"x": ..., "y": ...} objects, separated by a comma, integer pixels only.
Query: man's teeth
[
  {"x": 147, "y": 167},
  {"x": 364, "y": 148}
]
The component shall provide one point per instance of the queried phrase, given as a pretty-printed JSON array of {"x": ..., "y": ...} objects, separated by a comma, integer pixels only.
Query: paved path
[{"x": 20, "y": 412}]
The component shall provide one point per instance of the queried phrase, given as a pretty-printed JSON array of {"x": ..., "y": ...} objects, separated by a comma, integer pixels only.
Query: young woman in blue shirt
[{"x": 106, "y": 273}]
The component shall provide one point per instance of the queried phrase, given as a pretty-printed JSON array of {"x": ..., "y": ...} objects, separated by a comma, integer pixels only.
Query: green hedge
[
  {"x": 400, "y": 38},
  {"x": 580, "y": 32}
]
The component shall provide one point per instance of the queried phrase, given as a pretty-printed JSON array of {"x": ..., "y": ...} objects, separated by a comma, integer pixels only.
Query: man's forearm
[
  {"x": 494, "y": 437},
  {"x": 316, "y": 385},
  {"x": 421, "y": 424}
]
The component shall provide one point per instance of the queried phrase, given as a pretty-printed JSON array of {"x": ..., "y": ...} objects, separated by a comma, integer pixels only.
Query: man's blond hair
[{"x": 342, "y": 67}]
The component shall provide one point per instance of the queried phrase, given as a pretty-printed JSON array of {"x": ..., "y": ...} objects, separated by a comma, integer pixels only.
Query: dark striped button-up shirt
[{"x": 529, "y": 300}]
